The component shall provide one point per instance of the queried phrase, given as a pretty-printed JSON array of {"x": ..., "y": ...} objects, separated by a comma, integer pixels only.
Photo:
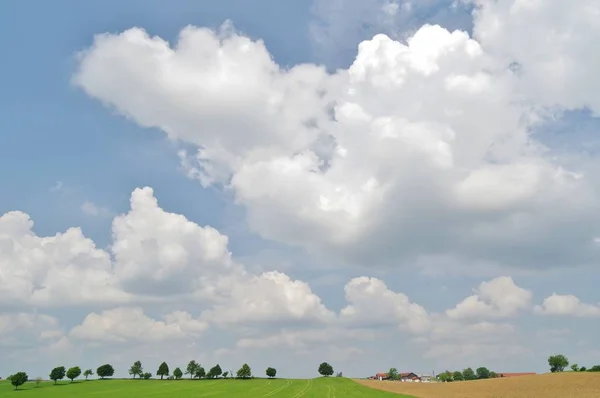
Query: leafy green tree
[
  {"x": 73, "y": 373},
  {"x": 147, "y": 375},
  {"x": 88, "y": 373},
  {"x": 483, "y": 373},
  {"x": 244, "y": 372},
  {"x": 325, "y": 369},
  {"x": 575, "y": 367},
  {"x": 105, "y": 370},
  {"x": 214, "y": 372},
  {"x": 583, "y": 369},
  {"x": 191, "y": 368},
  {"x": 468, "y": 374},
  {"x": 178, "y": 373},
  {"x": 225, "y": 374},
  {"x": 595, "y": 368},
  {"x": 445, "y": 376},
  {"x": 18, "y": 379},
  {"x": 458, "y": 376},
  {"x": 557, "y": 363},
  {"x": 393, "y": 374},
  {"x": 58, "y": 373},
  {"x": 136, "y": 369},
  {"x": 493, "y": 375},
  {"x": 200, "y": 372},
  {"x": 271, "y": 372},
  {"x": 163, "y": 370}
]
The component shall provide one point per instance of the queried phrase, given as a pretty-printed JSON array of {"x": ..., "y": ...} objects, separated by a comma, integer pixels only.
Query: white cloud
[
  {"x": 90, "y": 209},
  {"x": 371, "y": 303},
  {"x": 336, "y": 162},
  {"x": 550, "y": 42},
  {"x": 338, "y": 25},
  {"x": 157, "y": 257},
  {"x": 162, "y": 253},
  {"x": 500, "y": 297},
  {"x": 269, "y": 297},
  {"x": 65, "y": 269},
  {"x": 27, "y": 330},
  {"x": 132, "y": 325},
  {"x": 58, "y": 185},
  {"x": 566, "y": 305}
]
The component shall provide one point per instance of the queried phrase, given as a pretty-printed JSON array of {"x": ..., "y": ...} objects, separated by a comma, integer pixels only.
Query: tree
[
  {"x": 105, "y": 371},
  {"x": 178, "y": 373},
  {"x": 163, "y": 370},
  {"x": 583, "y": 369},
  {"x": 468, "y": 374},
  {"x": 214, "y": 372},
  {"x": 271, "y": 372},
  {"x": 191, "y": 368},
  {"x": 38, "y": 380},
  {"x": 445, "y": 376},
  {"x": 136, "y": 369},
  {"x": 483, "y": 373},
  {"x": 393, "y": 374},
  {"x": 458, "y": 376},
  {"x": 557, "y": 363},
  {"x": 87, "y": 373},
  {"x": 73, "y": 373},
  {"x": 147, "y": 375},
  {"x": 200, "y": 372},
  {"x": 18, "y": 379},
  {"x": 244, "y": 372},
  {"x": 325, "y": 369},
  {"x": 58, "y": 373},
  {"x": 493, "y": 375},
  {"x": 225, "y": 374},
  {"x": 595, "y": 368},
  {"x": 575, "y": 367}
]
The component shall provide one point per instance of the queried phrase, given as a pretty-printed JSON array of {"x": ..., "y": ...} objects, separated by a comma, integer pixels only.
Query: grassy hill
[
  {"x": 557, "y": 385},
  {"x": 278, "y": 388}
]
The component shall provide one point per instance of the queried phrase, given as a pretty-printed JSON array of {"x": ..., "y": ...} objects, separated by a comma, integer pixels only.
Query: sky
[{"x": 373, "y": 183}]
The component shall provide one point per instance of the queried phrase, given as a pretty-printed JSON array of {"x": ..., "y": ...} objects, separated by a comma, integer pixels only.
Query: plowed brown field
[{"x": 558, "y": 385}]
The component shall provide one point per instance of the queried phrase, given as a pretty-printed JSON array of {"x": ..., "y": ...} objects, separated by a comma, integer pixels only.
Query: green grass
[{"x": 277, "y": 388}]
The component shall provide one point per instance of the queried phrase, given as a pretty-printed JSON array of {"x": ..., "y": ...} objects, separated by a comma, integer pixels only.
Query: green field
[{"x": 276, "y": 388}]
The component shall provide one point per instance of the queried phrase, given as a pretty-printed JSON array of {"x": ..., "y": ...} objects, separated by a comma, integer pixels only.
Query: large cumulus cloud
[{"x": 419, "y": 148}]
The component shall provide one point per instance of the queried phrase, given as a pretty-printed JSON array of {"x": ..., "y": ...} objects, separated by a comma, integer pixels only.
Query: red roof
[
  {"x": 381, "y": 375},
  {"x": 516, "y": 374}
]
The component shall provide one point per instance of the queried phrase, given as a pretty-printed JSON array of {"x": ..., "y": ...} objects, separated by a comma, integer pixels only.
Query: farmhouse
[
  {"x": 406, "y": 377},
  {"x": 410, "y": 376}
]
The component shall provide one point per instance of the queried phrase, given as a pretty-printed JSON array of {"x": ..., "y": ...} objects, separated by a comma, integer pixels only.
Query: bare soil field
[{"x": 558, "y": 385}]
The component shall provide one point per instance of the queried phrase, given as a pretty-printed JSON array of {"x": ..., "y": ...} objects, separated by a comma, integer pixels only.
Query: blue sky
[{"x": 469, "y": 191}]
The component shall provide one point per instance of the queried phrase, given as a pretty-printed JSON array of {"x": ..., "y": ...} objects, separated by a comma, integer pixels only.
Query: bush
[{"x": 147, "y": 375}]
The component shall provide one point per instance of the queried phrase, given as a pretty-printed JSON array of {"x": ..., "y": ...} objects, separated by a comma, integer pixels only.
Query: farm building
[
  {"x": 406, "y": 377},
  {"x": 516, "y": 374}
]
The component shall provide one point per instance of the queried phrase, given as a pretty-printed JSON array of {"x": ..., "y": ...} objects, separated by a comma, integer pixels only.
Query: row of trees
[
  {"x": 60, "y": 372},
  {"x": 467, "y": 374},
  {"x": 193, "y": 369},
  {"x": 559, "y": 362}
]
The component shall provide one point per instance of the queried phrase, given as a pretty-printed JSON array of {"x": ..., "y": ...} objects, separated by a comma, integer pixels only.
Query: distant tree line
[
  {"x": 467, "y": 374},
  {"x": 193, "y": 369},
  {"x": 559, "y": 362}
]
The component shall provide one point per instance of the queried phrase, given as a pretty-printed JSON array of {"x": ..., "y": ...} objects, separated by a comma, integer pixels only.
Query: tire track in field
[
  {"x": 304, "y": 390},
  {"x": 275, "y": 391}
]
